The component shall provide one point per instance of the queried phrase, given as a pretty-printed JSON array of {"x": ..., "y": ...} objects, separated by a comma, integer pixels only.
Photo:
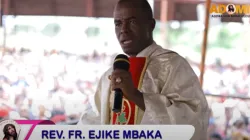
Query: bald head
[
  {"x": 134, "y": 25},
  {"x": 140, "y": 5}
]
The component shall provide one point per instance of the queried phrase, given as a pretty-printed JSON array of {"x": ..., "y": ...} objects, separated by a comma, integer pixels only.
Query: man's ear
[{"x": 153, "y": 22}]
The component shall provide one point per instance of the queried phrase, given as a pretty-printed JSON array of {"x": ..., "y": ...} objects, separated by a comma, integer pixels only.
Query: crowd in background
[
  {"x": 227, "y": 80},
  {"x": 230, "y": 112},
  {"x": 48, "y": 85},
  {"x": 57, "y": 86}
]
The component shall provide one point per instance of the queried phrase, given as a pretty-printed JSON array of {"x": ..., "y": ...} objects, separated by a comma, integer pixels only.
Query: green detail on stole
[{"x": 122, "y": 118}]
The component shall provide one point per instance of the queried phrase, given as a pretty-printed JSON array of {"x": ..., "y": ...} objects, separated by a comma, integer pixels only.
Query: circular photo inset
[
  {"x": 231, "y": 9},
  {"x": 9, "y": 130}
]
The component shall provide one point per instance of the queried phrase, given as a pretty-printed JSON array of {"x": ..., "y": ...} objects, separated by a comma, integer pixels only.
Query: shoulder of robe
[{"x": 165, "y": 56}]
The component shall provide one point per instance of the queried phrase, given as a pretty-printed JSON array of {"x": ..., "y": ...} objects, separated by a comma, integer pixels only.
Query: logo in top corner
[
  {"x": 9, "y": 130},
  {"x": 230, "y": 9}
]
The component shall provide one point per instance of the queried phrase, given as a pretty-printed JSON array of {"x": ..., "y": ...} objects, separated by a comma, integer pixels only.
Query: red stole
[{"x": 128, "y": 115}]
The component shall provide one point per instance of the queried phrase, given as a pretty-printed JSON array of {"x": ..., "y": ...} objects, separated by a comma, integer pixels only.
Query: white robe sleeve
[{"x": 181, "y": 100}]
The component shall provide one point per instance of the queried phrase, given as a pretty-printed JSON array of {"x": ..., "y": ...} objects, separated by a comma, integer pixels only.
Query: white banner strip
[{"x": 109, "y": 132}]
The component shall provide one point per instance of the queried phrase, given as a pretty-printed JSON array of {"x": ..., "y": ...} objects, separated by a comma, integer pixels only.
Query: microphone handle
[{"x": 117, "y": 107}]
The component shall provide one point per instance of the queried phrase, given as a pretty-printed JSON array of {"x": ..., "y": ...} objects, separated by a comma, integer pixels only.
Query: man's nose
[{"x": 125, "y": 28}]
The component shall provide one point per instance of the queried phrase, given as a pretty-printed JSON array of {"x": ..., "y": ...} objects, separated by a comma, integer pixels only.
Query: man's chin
[{"x": 129, "y": 52}]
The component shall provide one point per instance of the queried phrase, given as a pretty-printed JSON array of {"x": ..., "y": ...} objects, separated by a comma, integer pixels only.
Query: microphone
[{"x": 121, "y": 62}]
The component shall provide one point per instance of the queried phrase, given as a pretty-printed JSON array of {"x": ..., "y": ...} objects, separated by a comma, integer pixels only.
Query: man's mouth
[{"x": 126, "y": 42}]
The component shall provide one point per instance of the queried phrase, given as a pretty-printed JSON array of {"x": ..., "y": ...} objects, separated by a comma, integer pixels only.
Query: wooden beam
[
  {"x": 5, "y": 6},
  {"x": 164, "y": 19},
  {"x": 164, "y": 12},
  {"x": 204, "y": 44},
  {"x": 89, "y": 8},
  {"x": 1, "y": 13},
  {"x": 170, "y": 10},
  {"x": 54, "y": 7}
]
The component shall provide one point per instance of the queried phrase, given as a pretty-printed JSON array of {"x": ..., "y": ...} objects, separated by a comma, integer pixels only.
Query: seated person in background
[
  {"x": 215, "y": 136},
  {"x": 239, "y": 131}
]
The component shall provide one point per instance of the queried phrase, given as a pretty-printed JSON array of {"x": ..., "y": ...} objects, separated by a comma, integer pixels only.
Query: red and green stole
[{"x": 128, "y": 115}]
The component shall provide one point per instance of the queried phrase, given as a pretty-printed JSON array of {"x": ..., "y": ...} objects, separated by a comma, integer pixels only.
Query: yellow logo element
[{"x": 230, "y": 9}]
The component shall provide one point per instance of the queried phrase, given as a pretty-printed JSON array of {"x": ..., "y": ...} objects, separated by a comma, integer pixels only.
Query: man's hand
[{"x": 123, "y": 80}]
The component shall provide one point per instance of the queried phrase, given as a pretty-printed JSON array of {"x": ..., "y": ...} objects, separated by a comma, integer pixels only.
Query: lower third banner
[{"x": 45, "y": 130}]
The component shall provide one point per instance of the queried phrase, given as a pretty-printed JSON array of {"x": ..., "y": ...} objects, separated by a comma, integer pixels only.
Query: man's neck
[
  {"x": 132, "y": 55},
  {"x": 147, "y": 44}
]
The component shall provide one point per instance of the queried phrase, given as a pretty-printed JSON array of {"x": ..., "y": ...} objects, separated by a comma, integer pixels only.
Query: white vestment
[{"x": 171, "y": 92}]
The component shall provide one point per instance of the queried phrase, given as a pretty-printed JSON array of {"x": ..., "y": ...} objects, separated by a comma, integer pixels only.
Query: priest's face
[{"x": 132, "y": 27}]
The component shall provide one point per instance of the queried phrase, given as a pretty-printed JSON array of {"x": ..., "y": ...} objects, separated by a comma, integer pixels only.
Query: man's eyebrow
[
  {"x": 131, "y": 18},
  {"x": 118, "y": 20}
]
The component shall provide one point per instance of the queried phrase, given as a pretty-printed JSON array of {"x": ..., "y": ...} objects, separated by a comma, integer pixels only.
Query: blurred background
[{"x": 53, "y": 53}]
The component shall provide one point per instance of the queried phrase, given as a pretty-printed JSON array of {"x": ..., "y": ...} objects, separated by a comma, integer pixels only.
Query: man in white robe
[{"x": 170, "y": 91}]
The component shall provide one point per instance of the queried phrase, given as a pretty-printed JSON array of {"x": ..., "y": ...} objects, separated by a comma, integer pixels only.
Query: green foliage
[
  {"x": 92, "y": 31},
  {"x": 51, "y": 29},
  {"x": 22, "y": 28},
  {"x": 219, "y": 37},
  {"x": 225, "y": 38}
]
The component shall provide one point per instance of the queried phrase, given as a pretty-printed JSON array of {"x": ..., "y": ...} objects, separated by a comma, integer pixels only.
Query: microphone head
[{"x": 121, "y": 62}]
